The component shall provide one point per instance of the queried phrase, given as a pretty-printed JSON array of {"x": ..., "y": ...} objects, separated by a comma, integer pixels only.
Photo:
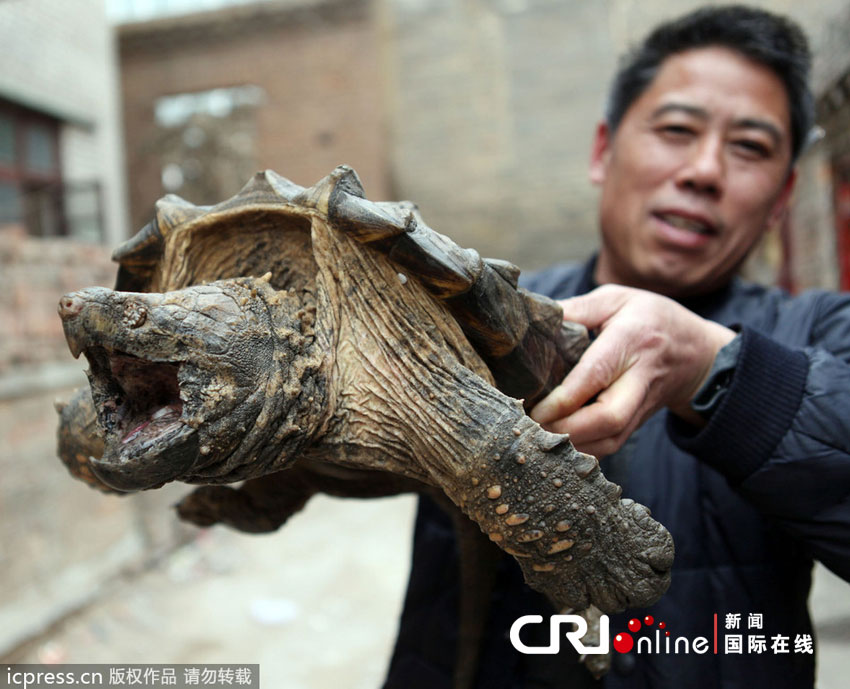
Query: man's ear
[
  {"x": 600, "y": 153},
  {"x": 780, "y": 206}
]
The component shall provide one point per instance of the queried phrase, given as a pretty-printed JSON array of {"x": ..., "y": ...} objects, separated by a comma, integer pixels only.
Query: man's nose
[{"x": 704, "y": 170}]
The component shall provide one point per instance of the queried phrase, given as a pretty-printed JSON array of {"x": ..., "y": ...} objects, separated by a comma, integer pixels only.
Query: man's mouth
[{"x": 688, "y": 223}]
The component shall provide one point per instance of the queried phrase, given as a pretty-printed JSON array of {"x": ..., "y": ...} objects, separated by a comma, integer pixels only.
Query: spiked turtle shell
[{"x": 266, "y": 228}]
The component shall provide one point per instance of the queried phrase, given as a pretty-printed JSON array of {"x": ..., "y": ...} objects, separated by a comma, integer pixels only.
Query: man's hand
[{"x": 650, "y": 353}]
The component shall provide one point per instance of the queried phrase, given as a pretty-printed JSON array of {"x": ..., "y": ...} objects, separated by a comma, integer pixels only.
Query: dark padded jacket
[{"x": 751, "y": 500}]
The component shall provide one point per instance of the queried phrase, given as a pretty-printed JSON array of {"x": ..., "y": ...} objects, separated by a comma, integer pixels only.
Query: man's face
[{"x": 694, "y": 174}]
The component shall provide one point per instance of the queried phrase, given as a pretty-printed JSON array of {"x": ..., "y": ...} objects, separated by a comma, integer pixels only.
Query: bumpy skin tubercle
[{"x": 552, "y": 509}]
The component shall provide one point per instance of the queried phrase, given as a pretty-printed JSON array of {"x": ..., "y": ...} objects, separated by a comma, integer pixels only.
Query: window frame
[{"x": 28, "y": 181}]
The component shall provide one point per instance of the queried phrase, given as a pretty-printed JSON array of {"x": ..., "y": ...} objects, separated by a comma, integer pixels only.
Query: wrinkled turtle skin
[{"x": 302, "y": 339}]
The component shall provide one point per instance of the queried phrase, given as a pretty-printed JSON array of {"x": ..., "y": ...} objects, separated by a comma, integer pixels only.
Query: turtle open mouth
[
  {"x": 140, "y": 412},
  {"x": 138, "y": 400}
]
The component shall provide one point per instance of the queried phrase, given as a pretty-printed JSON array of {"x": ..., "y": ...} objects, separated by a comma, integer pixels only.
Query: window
[
  {"x": 31, "y": 192},
  {"x": 7, "y": 139}
]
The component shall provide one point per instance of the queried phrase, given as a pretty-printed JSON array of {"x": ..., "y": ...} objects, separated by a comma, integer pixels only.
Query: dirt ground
[{"x": 314, "y": 603}]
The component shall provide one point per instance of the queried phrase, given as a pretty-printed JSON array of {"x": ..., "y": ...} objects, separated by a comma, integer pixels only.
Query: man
[{"x": 722, "y": 406}]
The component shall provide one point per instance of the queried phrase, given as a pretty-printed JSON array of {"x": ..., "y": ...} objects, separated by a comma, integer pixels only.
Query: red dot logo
[
  {"x": 634, "y": 625},
  {"x": 623, "y": 643},
  {"x": 661, "y": 625},
  {"x": 648, "y": 620}
]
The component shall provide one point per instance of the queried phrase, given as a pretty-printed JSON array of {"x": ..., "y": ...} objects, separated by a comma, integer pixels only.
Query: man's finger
[
  {"x": 616, "y": 413},
  {"x": 602, "y": 448},
  {"x": 555, "y": 406},
  {"x": 593, "y": 309},
  {"x": 598, "y": 368}
]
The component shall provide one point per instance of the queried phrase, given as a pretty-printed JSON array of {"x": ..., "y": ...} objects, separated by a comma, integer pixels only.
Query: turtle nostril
[{"x": 70, "y": 305}]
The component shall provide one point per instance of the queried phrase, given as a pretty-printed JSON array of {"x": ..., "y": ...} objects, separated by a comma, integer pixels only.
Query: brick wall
[
  {"x": 318, "y": 71},
  {"x": 34, "y": 273}
]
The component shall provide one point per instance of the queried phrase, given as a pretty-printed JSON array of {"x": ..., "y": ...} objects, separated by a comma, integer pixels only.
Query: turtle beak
[{"x": 70, "y": 306}]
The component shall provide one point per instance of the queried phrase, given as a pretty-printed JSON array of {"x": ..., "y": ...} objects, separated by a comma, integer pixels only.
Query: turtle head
[{"x": 190, "y": 384}]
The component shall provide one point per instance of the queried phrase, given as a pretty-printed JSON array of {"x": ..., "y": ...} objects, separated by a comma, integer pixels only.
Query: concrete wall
[
  {"x": 64, "y": 544},
  {"x": 493, "y": 105},
  {"x": 814, "y": 245},
  {"x": 492, "y": 111}
]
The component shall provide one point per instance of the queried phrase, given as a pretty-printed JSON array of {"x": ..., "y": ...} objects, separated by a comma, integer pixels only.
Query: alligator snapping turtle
[{"x": 373, "y": 356}]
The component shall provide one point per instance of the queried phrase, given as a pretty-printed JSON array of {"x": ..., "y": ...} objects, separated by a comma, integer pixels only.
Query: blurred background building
[
  {"x": 61, "y": 164},
  {"x": 61, "y": 161},
  {"x": 480, "y": 111}
]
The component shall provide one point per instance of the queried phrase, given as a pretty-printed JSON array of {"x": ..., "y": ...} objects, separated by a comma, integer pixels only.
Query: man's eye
[
  {"x": 676, "y": 130},
  {"x": 754, "y": 149}
]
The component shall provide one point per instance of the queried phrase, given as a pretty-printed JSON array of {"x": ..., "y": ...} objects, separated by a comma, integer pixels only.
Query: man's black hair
[{"x": 769, "y": 39}]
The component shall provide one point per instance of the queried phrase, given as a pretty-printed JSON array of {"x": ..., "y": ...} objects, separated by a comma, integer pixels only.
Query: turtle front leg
[
  {"x": 257, "y": 506},
  {"x": 542, "y": 501},
  {"x": 529, "y": 490}
]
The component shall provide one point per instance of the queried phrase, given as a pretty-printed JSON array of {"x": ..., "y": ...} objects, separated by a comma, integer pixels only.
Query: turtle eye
[{"x": 135, "y": 314}]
